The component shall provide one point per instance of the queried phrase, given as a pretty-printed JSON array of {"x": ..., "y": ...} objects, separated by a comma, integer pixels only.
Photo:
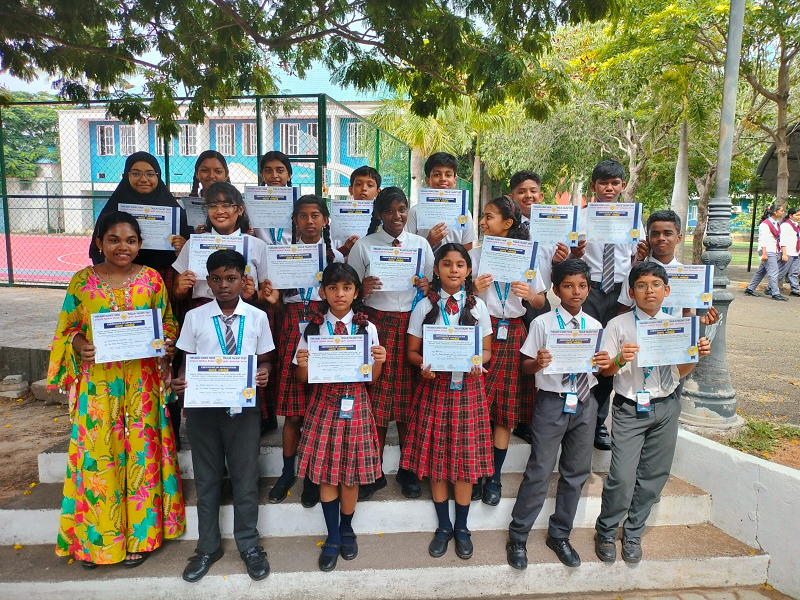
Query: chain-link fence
[{"x": 60, "y": 162}]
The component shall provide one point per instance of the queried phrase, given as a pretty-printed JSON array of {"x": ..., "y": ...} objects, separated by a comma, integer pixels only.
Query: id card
[
  {"x": 456, "y": 380},
  {"x": 301, "y": 325},
  {"x": 234, "y": 410},
  {"x": 571, "y": 403},
  {"x": 346, "y": 407},
  {"x": 643, "y": 402},
  {"x": 502, "y": 329}
]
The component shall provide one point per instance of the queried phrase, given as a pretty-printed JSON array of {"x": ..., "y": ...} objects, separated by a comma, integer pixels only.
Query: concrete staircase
[{"x": 681, "y": 550}]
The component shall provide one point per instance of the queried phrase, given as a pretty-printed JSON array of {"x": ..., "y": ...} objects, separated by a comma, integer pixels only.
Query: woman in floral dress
[{"x": 122, "y": 492}]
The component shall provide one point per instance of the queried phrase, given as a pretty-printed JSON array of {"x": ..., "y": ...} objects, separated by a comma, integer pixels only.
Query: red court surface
[{"x": 43, "y": 259}]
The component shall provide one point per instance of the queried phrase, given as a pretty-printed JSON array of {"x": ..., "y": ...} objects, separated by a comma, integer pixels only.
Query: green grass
[
  {"x": 738, "y": 250},
  {"x": 760, "y": 437}
]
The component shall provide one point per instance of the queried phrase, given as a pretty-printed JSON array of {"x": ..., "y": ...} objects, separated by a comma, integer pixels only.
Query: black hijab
[{"x": 125, "y": 194}]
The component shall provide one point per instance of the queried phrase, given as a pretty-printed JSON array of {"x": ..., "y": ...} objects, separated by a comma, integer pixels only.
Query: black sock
[
  {"x": 443, "y": 514},
  {"x": 288, "y": 469},
  {"x": 346, "y": 522},
  {"x": 462, "y": 510},
  {"x": 499, "y": 459},
  {"x": 331, "y": 512}
]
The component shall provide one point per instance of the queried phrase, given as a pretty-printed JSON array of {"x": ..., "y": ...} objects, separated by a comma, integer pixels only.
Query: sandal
[
  {"x": 131, "y": 563},
  {"x": 88, "y": 565}
]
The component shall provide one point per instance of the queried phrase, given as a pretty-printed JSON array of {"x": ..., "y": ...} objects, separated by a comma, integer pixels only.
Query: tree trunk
[
  {"x": 680, "y": 190},
  {"x": 704, "y": 186},
  {"x": 781, "y": 142},
  {"x": 476, "y": 184},
  {"x": 417, "y": 174}
]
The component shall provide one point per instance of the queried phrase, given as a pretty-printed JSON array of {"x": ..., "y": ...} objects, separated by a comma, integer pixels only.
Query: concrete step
[
  {"x": 33, "y": 518},
  {"x": 393, "y": 566},
  {"x": 53, "y": 461}
]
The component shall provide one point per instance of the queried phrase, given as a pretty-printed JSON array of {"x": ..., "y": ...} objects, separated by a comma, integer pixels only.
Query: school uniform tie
[
  {"x": 339, "y": 328},
  {"x": 230, "y": 339},
  {"x": 581, "y": 379},
  {"x": 396, "y": 243},
  {"x": 451, "y": 306},
  {"x": 607, "y": 282},
  {"x": 665, "y": 379}
]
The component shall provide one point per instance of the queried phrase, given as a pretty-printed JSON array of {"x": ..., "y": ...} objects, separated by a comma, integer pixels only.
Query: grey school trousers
[
  {"x": 575, "y": 434},
  {"x": 771, "y": 269},
  {"x": 790, "y": 268},
  {"x": 642, "y": 448},
  {"x": 215, "y": 437},
  {"x": 603, "y": 307}
]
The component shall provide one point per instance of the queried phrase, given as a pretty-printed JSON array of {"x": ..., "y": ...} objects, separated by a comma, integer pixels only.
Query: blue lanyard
[
  {"x": 445, "y": 318},
  {"x": 330, "y": 328},
  {"x": 280, "y": 234},
  {"x": 503, "y": 298},
  {"x": 305, "y": 296},
  {"x": 563, "y": 326},
  {"x": 239, "y": 339}
]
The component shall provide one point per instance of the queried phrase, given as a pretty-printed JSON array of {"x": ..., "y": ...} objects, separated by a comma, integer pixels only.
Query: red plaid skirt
[
  {"x": 502, "y": 380},
  {"x": 334, "y": 450},
  {"x": 391, "y": 394},
  {"x": 449, "y": 436},
  {"x": 292, "y": 395}
]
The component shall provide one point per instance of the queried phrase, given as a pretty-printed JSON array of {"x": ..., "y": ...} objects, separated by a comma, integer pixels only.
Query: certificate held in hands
[
  {"x": 453, "y": 348},
  {"x": 573, "y": 350},
  {"x": 442, "y": 206},
  {"x": 613, "y": 222},
  {"x": 510, "y": 260},
  {"x": 220, "y": 381},
  {"x": 127, "y": 335},
  {"x": 296, "y": 266},
  {"x": 667, "y": 341},
  {"x": 690, "y": 286},
  {"x": 339, "y": 358},
  {"x": 269, "y": 206},
  {"x": 349, "y": 217},
  {"x": 158, "y": 224},
  {"x": 196, "y": 212},
  {"x": 203, "y": 246},
  {"x": 554, "y": 224},
  {"x": 397, "y": 268}
]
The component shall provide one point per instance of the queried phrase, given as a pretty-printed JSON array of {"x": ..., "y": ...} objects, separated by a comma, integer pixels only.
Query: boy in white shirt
[
  {"x": 769, "y": 249},
  {"x": 643, "y": 433},
  {"x": 790, "y": 246}
]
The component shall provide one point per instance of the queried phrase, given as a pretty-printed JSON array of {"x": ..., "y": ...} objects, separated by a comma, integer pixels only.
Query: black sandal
[
  {"x": 131, "y": 563},
  {"x": 88, "y": 565}
]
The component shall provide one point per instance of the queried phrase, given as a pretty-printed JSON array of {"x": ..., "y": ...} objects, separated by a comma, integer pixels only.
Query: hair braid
[
  {"x": 467, "y": 318},
  {"x": 195, "y": 187},
  {"x": 433, "y": 298},
  {"x": 326, "y": 236}
]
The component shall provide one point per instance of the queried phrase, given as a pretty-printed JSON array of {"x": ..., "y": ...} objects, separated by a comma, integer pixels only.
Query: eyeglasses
[
  {"x": 643, "y": 287},
  {"x": 221, "y": 206},
  {"x": 139, "y": 174}
]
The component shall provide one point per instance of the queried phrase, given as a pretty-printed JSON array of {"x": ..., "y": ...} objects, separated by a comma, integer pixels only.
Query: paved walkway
[{"x": 760, "y": 593}]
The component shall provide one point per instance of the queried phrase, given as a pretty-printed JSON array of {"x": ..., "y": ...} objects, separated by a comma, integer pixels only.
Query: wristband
[{"x": 616, "y": 362}]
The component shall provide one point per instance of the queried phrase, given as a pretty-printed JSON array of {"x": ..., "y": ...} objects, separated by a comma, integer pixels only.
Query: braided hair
[
  {"x": 509, "y": 209},
  {"x": 204, "y": 156},
  {"x": 466, "y": 317},
  {"x": 382, "y": 202},
  {"x": 280, "y": 157},
  {"x": 222, "y": 191},
  {"x": 338, "y": 273},
  {"x": 305, "y": 200}
]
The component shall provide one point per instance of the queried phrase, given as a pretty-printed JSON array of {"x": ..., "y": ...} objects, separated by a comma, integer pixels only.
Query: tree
[
  {"x": 30, "y": 134},
  {"x": 214, "y": 49}
]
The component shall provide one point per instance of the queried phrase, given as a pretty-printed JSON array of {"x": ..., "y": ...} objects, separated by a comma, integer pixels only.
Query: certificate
[
  {"x": 196, "y": 211},
  {"x": 220, "y": 381},
  {"x": 339, "y": 358},
  {"x": 442, "y": 206},
  {"x": 554, "y": 224},
  {"x": 667, "y": 341},
  {"x": 613, "y": 222},
  {"x": 397, "y": 268},
  {"x": 127, "y": 335},
  {"x": 506, "y": 259},
  {"x": 203, "y": 246},
  {"x": 296, "y": 266},
  {"x": 573, "y": 350},
  {"x": 690, "y": 286},
  {"x": 270, "y": 207},
  {"x": 158, "y": 224},
  {"x": 454, "y": 348},
  {"x": 349, "y": 217}
]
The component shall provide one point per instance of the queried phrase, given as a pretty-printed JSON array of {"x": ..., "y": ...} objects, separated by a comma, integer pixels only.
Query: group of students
[
  {"x": 122, "y": 494},
  {"x": 779, "y": 250}
]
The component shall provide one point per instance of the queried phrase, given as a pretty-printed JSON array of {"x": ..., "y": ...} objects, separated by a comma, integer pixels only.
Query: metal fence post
[
  {"x": 4, "y": 192},
  {"x": 167, "y": 140},
  {"x": 259, "y": 135},
  {"x": 322, "y": 144},
  {"x": 47, "y": 203}
]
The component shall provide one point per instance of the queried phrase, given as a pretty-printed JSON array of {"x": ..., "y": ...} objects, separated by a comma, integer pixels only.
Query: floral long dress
[{"x": 122, "y": 491}]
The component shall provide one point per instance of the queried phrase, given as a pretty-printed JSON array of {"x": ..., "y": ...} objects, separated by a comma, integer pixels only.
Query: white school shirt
[
  {"x": 372, "y": 331},
  {"x": 263, "y": 233},
  {"x": 765, "y": 237},
  {"x": 480, "y": 312},
  {"x": 630, "y": 378},
  {"x": 790, "y": 238},
  {"x": 624, "y": 295},
  {"x": 514, "y": 307},
  {"x": 623, "y": 254},
  {"x": 454, "y": 235},
  {"x": 199, "y": 336},
  {"x": 295, "y": 298},
  {"x": 537, "y": 339},
  {"x": 359, "y": 260},
  {"x": 256, "y": 260}
]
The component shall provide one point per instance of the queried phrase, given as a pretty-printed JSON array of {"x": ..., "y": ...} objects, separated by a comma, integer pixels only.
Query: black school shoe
[
  {"x": 200, "y": 563},
  {"x": 310, "y": 495},
  {"x": 564, "y": 550},
  {"x": 749, "y": 292},
  {"x": 349, "y": 547},
  {"x": 517, "y": 554},
  {"x": 327, "y": 562},
  {"x": 796, "y": 294},
  {"x": 780, "y": 298},
  {"x": 492, "y": 492},
  {"x": 438, "y": 545},
  {"x": 605, "y": 548},
  {"x": 365, "y": 492},
  {"x": 255, "y": 559},
  {"x": 602, "y": 439},
  {"x": 280, "y": 490},
  {"x": 409, "y": 482},
  {"x": 524, "y": 431},
  {"x": 631, "y": 550},
  {"x": 463, "y": 543},
  {"x": 477, "y": 489}
]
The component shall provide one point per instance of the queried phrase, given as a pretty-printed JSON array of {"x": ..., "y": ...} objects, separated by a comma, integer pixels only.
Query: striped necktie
[
  {"x": 396, "y": 243},
  {"x": 581, "y": 379},
  {"x": 339, "y": 328},
  {"x": 607, "y": 281},
  {"x": 665, "y": 379},
  {"x": 230, "y": 340}
]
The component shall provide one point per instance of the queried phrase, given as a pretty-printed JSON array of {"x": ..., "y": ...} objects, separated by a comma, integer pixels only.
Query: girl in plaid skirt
[
  {"x": 339, "y": 449},
  {"x": 310, "y": 225},
  {"x": 502, "y": 218},
  {"x": 449, "y": 438}
]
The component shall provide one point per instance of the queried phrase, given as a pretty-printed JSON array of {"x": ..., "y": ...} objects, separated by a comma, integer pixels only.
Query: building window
[
  {"x": 249, "y": 139},
  {"x": 226, "y": 139},
  {"x": 357, "y": 139},
  {"x": 312, "y": 138},
  {"x": 105, "y": 140},
  {"x": 187, "y": 140},
  {"x": 290, "y": 138},
  {"x": 159, "y": 145},
  {"x": 127, "y": 140}
]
